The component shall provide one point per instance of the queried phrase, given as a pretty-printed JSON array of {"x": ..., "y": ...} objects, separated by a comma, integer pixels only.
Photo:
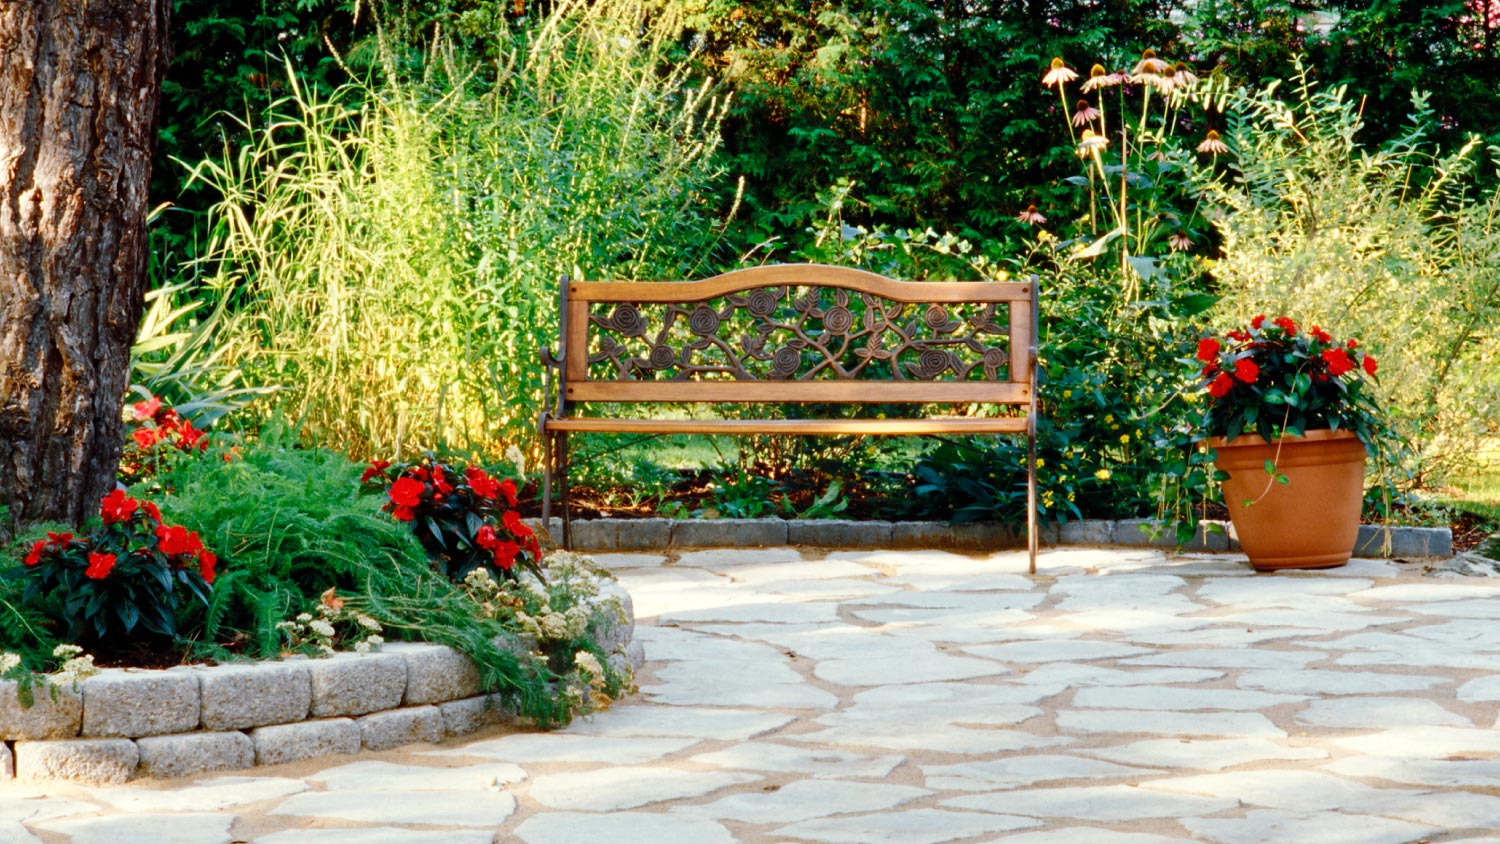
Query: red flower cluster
[
  {"x": 166, "y": 426},
  {"x": 1222, "y": 371},
  {"x": 140, "y": 521},
  {"x": 463, "y": 518}
]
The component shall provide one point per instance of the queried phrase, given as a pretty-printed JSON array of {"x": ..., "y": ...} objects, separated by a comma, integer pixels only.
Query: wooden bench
[{"x": 794, "y": 333}]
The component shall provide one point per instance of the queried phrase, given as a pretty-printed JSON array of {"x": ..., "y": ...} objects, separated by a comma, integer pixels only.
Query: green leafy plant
[
  {"x": 124, "y": 581},
  {"x": 464, "y": 519}
]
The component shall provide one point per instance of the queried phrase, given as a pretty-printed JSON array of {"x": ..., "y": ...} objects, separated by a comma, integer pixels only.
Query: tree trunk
[{"x": 79, "y": 85}]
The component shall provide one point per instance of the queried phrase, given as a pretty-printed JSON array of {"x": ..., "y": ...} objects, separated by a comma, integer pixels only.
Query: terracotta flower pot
[{"x": 1310, "y": 522}]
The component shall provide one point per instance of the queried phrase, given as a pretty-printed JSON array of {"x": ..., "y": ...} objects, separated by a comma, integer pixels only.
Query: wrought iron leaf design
[{"x": 802, "y": 333}]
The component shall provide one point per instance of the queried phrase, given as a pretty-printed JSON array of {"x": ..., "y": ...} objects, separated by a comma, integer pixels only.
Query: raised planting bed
[{"x": 120, "y": 724}]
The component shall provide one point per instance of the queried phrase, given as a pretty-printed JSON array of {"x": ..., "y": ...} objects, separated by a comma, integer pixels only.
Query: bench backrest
[{"x": 799, "y": 333}]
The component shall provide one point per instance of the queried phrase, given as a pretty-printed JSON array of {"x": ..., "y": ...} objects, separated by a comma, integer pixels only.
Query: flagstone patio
[{"x": 928, "y": 697}]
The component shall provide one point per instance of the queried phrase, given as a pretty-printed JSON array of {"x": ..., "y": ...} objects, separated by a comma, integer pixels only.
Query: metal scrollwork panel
[{"x": 801, "y": 333}]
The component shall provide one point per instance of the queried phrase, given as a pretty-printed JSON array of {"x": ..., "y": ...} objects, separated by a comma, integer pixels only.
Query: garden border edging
[
  {"x": 121, "y": 724},
  {"x": 609, "y": 535}
]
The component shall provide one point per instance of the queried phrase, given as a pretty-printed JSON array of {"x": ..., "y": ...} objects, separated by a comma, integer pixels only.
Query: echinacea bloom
[
  {"x": 1180, "y": 242},
  {"x": 1101, "y": 78},
  {"x": 1059, "y": 74},
  {"x": 99, "y": 565},
  {"x": 1085, "y": 114},
  {"x": 117, "y": 507},
  {"x": 1092, "y": 141},
  {"x": 1185, "y": 74},
  {"x": 1211, "y": 143},
  {"x": 1150, "y": 64},
  {"x": 1031, "y": 216},
  {"x": 1208, "y": 349},
  {"x": 1246, "y": 370}
]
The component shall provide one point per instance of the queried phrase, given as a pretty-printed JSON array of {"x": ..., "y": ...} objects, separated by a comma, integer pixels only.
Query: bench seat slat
[{"x": 890, "y": 427}]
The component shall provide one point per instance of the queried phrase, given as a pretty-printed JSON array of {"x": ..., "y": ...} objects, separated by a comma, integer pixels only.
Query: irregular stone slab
[
  {"x": 445, "y": 808},
  {"x": 1071, "y": 650},
  {"x": 1229, "y": 658},
  {"x": 1090, "y": 834},
  {"x": 629, "y": 561},
  {"x": 1172, "y": 699},
  {"x": 133, "y": 702},
  {"x": 1295, "y": 592},
  {"x": 20, "y": 806},
  {"x": 959, "y": 600},
  {"x": 294, "y": 742},
  {"x": 802, "y": 800},
  {"x": 1415, "y": 593},
  {"x": 1478, "y": 634},
  {"x": 1213, "y": 724},
  {"x": 435, "y": 673},
  {"x": 613, "y": 789},
  {"x": 238, "y": 696},
  {"x": 1365, "y": 567},
  {"x": 719, "y": 724},
  {"x": 387, "y": 776},
  {"x": 785, "y": 571},
  {"x": 819, "y": 763},
  {"x": 719, "y": 558},
  {"x": 963, "y": 700},
  {"x": 1428, "y": 656},
  {"x": 1094, "y": 803},
  {"x": 1445, "y": 809},
  {"x": 981, "y": 628},
  {"x": 1265, "y": 825},
  {"x": 807, "y": 612},
  {"x": 1129, "y": 590},
  {"x": 194, "y": 753},
  {"x": 1202, "y": 754},
  {"x": 1074, "y": 675},
  {"x": 145, "y": 829},
  {"x": 7, "y": 763},
  {"x": 1479, "y": 689},
  {"x": 941, "y": 738},
  {"x": 1018, "y": 771},
  {"x": 56, "y": 712},
  {"x": 892, "y": 660},
  {"x": 79, "y": 760},
  {"x": 1140, "y": 622},
  {"x": 1459, "y": 773},
  {"x": 1301, "y": 791},
  {"x": 1425, "y": 742},
  {"x": 206, "y": 796},
  {"x": 1466, "y": 608},
  {"x": 561, "y": 747},
  {"x": 353, "y": 684},
  {"x": 1329, "y": 620},
  {"x": 572, "y": 828},
  {"x": 1379, "y": 712},
  {"x": 380, "y": 834},
  {"x": 917, "y": 826},
  {"x": 840, "y": 589},
  {"x": 1312, "y": 682},
  {"x": 397, "y": 727}
]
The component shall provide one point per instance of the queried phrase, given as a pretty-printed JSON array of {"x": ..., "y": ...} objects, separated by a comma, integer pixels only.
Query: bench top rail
[{"x": 799, "y": 333}]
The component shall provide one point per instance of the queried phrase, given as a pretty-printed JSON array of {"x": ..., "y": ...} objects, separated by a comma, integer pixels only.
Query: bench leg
[
  {"x": 547, "y": 480},
  {"x": 561, "y": 440},
  {"x": 1031, "y": 537}
]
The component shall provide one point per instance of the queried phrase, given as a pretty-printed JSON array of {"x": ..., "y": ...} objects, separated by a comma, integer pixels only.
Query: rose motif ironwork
[
  {"x": 838, "y": 320},
  {"x": 761, "y": 303},
  {"x": 662, "y": 357},
  {"x": 785, "y": 362},
  {"x": 704, "y": 321},
  {"x": 627, "y": 320}
]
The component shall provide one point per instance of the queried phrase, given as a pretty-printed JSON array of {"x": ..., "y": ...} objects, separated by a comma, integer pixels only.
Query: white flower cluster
[
  {"x": 9, "y": 661},
  {"x": 77, "y": 665},
  {"x": 321, "y": 631}
]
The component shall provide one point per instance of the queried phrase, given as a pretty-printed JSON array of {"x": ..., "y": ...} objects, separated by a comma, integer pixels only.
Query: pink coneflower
[
  {"x": 1085, "y": 114},
  {"x": 1180, "y": 241},
  {"x": 1211, "y": 143},
  {"x": 1059, "y": 74},
  {"x": 1091, "y": 142},
  {"x": 1185, "y": 74},
  {"x": 1101, "y": 78},
  {"x": 1031, "y": 216},
  {"x": 1149, "y": 64}
]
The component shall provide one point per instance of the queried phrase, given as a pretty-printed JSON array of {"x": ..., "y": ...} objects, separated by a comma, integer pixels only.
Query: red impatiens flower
[
  {"x": 1320, "y": 335},
  {"x": 1370, "y": 364},
  {"x": 1285, "y": 324},
  {"x": 176, "y": 539},
  {"x": 440, "y": 481},
  {"x": 403, "y": 514},
  {"x": 1338, "y": 362},
  {"x": 206, "y": 562},
  {"x": 483, "y": 485},
  {"x": 508, "y": 489},
  {"x": 505, "y": 554},
  {"x": 1246, "y": 370},
  {"x": 59, "y": 540},
  {"x": 1208, "y": 349},
  {"x": 376, "y": 467},
  {"x": 99, "y": 565},
  {"x": 146, "y": 409},
  {"x": 152, "y": 510},
  {"x": 407, "y": 492},
  {"x": 117, "y": 507},
  {"x": 485, "y": 538},
  {"x": 36, "y": 553},
  {"x": 1220, "y": 386},
  {"x": 145, "y": 437},
  {"x": 512, "y": 521},
  {"x": 189, "y": 437},
  {"x": 1259, "y": 320}
]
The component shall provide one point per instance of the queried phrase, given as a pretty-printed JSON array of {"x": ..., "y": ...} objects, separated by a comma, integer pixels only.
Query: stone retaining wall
[
  {"x": 125, "y": 723},
  {"x": 649, "y": 534}
]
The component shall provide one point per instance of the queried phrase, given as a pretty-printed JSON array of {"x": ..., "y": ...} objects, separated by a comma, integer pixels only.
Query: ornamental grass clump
[
  {"x": 124, "y": 582},
  {"x": 1275, "y": 379}
]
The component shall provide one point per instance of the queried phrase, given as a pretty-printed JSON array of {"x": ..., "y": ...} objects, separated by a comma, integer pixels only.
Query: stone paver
[{"x": 808, "y": 696}]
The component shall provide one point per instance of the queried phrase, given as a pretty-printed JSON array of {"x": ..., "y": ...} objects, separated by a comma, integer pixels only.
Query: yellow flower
[
  {"x": 1067, "y": 394},
  {"x": 1102, "y": 474},
  {"x": 1040, "y": 463},
  {"x": 1124, "y": 438},
  {"x": 1109, "y": 418}
]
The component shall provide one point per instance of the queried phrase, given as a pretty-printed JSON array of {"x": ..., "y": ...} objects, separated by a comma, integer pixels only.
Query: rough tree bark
[{"x": 79, "y": 85}]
